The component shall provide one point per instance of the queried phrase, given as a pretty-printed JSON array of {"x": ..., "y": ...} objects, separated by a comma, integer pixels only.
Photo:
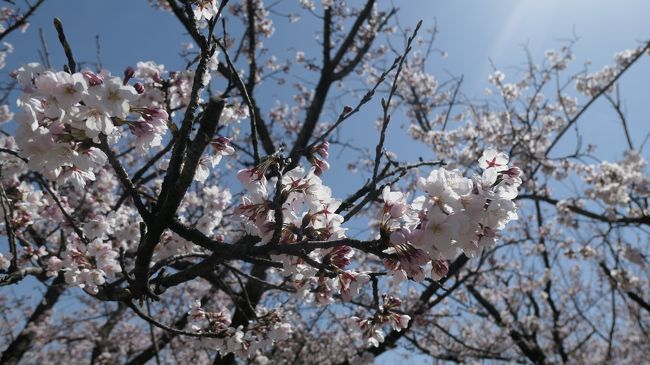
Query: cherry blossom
[{"x": 237, "y": 206}]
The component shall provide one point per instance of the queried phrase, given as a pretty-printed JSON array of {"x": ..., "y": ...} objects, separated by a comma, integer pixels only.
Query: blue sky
[{"x": 471, "y": 32}]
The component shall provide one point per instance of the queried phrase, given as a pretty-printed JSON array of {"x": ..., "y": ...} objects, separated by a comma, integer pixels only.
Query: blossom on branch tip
[
  {"x": 456, "y": 214},
  {"x": 205, "y": 9},
  {"x": 491, "y": 158}
]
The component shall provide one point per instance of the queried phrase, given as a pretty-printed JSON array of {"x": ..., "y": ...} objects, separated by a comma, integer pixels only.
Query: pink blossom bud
[
  {"x": 391, "y": 302},
  {"x": 222, "y": 140},
  {"x": 347, "y": 109},
  {"x": 156, "y": 113},
  {"x": 92, "y": 78},
  {"x": 513, "y": 171},
  {"x": 439, "y": 269},
  {"x": 323, "y": 149},
  {"x": 139, "y": 88},
  {"x": 321, "y": 166},
  {"x": 220, "y": 143},
  {"x": 128, "y": 74}
]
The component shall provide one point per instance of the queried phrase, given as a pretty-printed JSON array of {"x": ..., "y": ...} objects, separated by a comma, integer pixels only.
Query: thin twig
[
  {"x": 46, "y": 54},
  {"x": 72, "y": 65},
  {"x": 386, "y": 104}
]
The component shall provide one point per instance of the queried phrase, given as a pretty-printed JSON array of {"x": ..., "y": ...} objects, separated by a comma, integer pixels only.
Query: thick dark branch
[
  {"x": 345, "y": 70},
  {"x": 176, "y": 187},
  {"x": 182, "y": 17},
  {"x": 138, "y": 176},
  {"x": 182, "y": 138},
  {"x": 349, "y": 39},
  {"x": 327, "y": 36},
  {"x": 205, "y": 266},
  {"x": 322, "y": 88},
  {"x": 231, "y": 74},
  {"x": 17, "y": 275}
]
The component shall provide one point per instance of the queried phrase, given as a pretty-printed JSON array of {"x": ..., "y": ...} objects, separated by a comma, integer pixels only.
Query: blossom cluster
[
  {"x": 617, "y": 183},
  {"x": 592, "y": 84},
  {"x": 159, "y": 87},
  {"x": 308, "y": 206},
  {"x": 386, "y": 314},
  {"x": 269, "y": 328},
  {"x": 258, "y": 265},
  {"x": 455, "y": 214},
  {"x": 88, "y": 253},
  {"x": 63, "y": 114},
  {"x": 308, "y": 214},
  {"x": 205, "y": 9},
  {"x": 87, "y": 266}
]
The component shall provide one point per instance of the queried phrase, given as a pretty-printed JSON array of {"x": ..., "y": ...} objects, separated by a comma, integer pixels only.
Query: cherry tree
[{"x": 171, "y": 216}]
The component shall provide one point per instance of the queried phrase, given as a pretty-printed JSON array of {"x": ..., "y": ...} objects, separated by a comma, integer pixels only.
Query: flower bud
[
  {"x": 128, "y": 74},
  {"x": 321, "y": 166},
  {"x": 92, "y": 78},
  {"x": 139, "y": 88},
  {"x": 513, "y": 171},
  {"x": 323, "y": 149},
  {"x": 220, "y": 143},
  {"x": 391, "y": 302},
  {"x": 439, "y": 269}
]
